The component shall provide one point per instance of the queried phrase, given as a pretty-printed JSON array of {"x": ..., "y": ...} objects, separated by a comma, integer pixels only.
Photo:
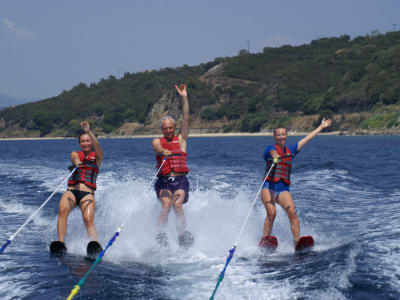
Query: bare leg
[
  {"x": 165, "y": 197},
  {"x": 87, "y": 206},
  {"x": 179, "y": 197},
  {"x": 285, "y": 200},
  {"x": 67, "y": 203},
  {"x": 268, "y": 200}
]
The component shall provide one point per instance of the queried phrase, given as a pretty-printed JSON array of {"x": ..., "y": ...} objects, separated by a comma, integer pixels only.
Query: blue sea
[{"x": 346, "y": 190}]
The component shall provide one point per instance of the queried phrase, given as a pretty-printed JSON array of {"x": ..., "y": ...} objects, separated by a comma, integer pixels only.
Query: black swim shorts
[{"x": 172, "y": 184}]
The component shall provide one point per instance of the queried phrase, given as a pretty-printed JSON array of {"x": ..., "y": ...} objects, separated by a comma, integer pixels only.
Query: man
[
  {"x": 81, "y": 189},
  {"x": 172, "y": 186},
  {"x": 276, "y": 187}
]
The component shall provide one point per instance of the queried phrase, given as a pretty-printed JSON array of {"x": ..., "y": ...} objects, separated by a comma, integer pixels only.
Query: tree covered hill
[{"x": 336, "y": 77}]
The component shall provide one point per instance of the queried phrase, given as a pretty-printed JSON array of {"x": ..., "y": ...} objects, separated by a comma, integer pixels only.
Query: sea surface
[{"x": 346, "y": 190}]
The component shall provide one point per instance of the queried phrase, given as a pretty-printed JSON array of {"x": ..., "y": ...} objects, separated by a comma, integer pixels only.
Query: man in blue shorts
[
  {"x": 172, "y": 186},
  {"x": 279, "y": 159}
]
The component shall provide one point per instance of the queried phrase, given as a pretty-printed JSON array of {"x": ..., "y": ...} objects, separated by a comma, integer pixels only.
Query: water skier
[
  {"x": 276, "y": 186},
  {"x": 172, "y": 186},
  {"x": 81, "y": 189}
]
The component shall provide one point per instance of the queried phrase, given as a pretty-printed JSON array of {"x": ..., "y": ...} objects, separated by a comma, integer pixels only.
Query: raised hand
[
  {"x": 85, "y": 126},
  {"x": 326, "y": 123},
  {"x": 181, "y": 90}
]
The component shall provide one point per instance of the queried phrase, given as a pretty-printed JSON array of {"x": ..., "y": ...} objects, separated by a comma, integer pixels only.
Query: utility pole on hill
[
  {"x": 394, "y": 27},
  {"x": 248, "y": 46}
]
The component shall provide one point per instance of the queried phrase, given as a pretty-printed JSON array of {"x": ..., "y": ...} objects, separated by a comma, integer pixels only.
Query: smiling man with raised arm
[{"x": 172, "y": 186}]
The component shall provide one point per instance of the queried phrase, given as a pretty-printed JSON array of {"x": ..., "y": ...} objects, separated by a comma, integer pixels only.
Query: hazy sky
[{"x": 47, "y": 46}]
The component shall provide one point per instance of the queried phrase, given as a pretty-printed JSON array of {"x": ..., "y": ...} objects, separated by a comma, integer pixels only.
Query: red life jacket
[
  {"x": 281, "y": 171},
  {"x": 86, "y": 172},
  {"x": 176, "y": 163}
]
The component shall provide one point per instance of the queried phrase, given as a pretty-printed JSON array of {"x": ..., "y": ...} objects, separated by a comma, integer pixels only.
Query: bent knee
[
  {"x": 164, "y": 194},
  {"x": 63, "y": 211},
  {"x": 178, "y": 204},
  {"x": 291, "y": 211},
  {"x": 272, "y": 214},
  {"x": 267, "y": 202},
  {"x": 179, "y": 197}
]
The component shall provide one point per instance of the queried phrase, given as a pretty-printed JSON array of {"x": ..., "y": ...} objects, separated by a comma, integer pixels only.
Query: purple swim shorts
[{"x": 172, "y": 184}]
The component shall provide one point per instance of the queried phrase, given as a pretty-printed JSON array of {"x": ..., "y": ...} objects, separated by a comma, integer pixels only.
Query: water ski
[
  {"x": 57, "y": 248},
  {"x": 305, "y": 242},
  {"x": 186, "y": 240},
  {"x": 268, "y": 242},
  {"x": 162, "y": 239},
  {"x": 93, "y": 249}
]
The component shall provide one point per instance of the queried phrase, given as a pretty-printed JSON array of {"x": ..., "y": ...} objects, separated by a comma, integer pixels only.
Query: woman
[
  {"x": 81, "y": 187},
  {"x": 279, "y": 159}
]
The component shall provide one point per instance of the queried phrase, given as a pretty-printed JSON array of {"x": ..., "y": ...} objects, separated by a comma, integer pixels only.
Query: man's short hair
[
  {"x": 279, "y": 128},
  {"x": 165, "y": 118}
]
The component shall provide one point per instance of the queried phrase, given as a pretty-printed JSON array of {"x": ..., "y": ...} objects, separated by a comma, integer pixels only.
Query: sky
[{"x": 47, "y": 46}]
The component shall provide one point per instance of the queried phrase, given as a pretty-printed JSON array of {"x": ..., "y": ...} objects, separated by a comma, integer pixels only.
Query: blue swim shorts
[{"x": 276, "y": 187}]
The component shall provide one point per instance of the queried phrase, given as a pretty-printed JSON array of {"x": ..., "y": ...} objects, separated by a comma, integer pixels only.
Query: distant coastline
[
  {"x": 291, "y": 86},
  {"x": 229, "y": 134}
]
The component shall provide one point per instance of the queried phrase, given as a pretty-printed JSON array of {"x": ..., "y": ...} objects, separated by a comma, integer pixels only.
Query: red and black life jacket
[
  {"x": 177, "y": 162},
  {"x": 86, "y": 172},
  {"x": 281, "y": 171}
]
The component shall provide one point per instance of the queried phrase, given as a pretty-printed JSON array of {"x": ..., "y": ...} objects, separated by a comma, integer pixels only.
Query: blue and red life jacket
[
  {"x": 281, "y": 171},
  {"x": 86, "y": 172},
  {"x": 176, "y": 162}
]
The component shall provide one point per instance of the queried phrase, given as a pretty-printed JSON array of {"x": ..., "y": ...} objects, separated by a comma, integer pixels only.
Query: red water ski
[
  {"x": 305, "y": 242},
  {"x": 268, "y": 242}
]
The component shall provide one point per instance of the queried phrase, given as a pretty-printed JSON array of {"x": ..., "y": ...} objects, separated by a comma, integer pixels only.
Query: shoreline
[{"x": 229, "y": 134}]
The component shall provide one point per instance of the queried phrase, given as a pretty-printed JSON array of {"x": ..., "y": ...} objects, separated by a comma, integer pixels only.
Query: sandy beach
[{"x": 195, "y": 135}]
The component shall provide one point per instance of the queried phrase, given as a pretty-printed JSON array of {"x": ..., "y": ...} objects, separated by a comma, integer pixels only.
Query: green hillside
[{"x": 329, "y": 76}]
